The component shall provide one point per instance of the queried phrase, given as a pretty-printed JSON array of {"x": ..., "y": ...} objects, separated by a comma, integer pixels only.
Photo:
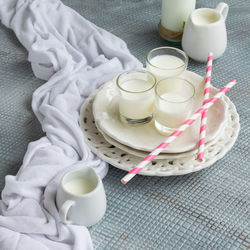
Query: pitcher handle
[
  {"x": 222, "y": 8},
  {"x": 64, "y": 211}
]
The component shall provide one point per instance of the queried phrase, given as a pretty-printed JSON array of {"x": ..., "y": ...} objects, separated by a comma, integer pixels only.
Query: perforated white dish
[{"x": 163, "y": 167}]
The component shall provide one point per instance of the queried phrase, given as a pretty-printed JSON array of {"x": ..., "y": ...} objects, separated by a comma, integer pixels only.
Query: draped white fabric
[{"x": 75, "y": 57}]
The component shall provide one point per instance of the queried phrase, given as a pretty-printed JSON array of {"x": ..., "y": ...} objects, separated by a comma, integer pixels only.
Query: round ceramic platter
[
  {"x": 117, "y": 157},
  {"x": 143, "y": 154},
  {"x": 145, "y": 137}
]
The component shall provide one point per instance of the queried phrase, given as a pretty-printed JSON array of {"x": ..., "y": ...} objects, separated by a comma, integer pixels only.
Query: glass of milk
[
  {"x": 136, "y": 100},
  {"x": 173, "y": 104},
  {"x": 166, "y": 62}
]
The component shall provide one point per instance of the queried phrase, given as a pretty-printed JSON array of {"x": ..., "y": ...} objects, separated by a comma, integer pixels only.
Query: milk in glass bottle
[{"x": 174, "y": 15}]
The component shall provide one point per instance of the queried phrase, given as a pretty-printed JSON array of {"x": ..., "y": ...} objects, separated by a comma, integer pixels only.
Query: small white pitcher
[
  {"x": 205, "y": 32},
  {"x": 81, "y": 197}
]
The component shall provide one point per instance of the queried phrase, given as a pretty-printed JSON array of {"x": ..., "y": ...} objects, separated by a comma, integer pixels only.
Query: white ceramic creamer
[
  {"x": 81, "y": 197},
  {"x": 205, "y": 32}
]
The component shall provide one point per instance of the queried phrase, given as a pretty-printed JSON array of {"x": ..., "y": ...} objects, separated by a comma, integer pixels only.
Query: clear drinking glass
[
  {"x": 166, "y": 62},
  {"x": 136, "y": 100},
  {"x": 173, "y": 103}
]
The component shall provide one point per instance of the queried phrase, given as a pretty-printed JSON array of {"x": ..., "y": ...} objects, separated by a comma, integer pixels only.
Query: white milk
[
  {"x": 166, "y": 66},
  {"x": 79, "y": 186},
  {"x": 206, "y": 18},
  {"x": 172, "y": 113},
  {"x": 136, "y": 105},
  {"x": 175, "y": 12}
]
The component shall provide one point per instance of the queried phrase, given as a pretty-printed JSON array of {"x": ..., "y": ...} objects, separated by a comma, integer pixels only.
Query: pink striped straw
[
  {"x": 203, "y": 126},
  {"x": 176, "y": 133}
]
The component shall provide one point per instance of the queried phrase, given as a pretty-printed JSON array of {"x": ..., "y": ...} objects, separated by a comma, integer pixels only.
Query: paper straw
[
  {"x": 202, "y": 139},
  {"x": 176, "y": 133}
]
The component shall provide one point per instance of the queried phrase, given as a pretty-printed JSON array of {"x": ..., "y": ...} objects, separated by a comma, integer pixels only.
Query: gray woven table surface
[{"x": 207, "y": 209}]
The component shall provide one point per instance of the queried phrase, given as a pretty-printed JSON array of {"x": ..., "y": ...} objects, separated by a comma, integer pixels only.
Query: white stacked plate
[{"x": 124, "y": 146}]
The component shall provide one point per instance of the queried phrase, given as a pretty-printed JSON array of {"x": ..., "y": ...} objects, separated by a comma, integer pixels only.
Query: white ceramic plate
[
  {"x": 143, "y": 154},
  {"x": 145, "y": 137}
]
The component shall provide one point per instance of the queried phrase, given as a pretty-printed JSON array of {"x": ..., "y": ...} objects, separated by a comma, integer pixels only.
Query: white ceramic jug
[
  {"x": 205, "y": 32},
  {"x": 81, "y": 197}
]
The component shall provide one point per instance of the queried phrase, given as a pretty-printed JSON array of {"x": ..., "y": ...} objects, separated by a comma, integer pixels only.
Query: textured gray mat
[{"x": 208, "y": 209}]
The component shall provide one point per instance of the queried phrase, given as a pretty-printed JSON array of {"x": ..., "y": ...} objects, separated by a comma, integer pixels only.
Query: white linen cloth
[{"x": 75, "y": 57}]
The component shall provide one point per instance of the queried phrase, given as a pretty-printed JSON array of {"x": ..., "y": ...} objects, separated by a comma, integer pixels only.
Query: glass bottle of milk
[{"x": 174, "y": 15}]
